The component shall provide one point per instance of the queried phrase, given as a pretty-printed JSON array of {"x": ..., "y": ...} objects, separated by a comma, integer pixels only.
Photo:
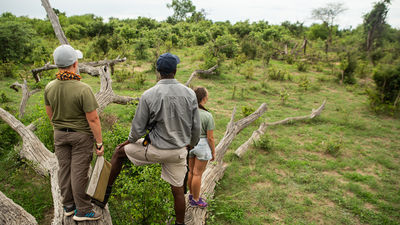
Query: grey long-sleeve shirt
[{"x": 172, "y": 108}]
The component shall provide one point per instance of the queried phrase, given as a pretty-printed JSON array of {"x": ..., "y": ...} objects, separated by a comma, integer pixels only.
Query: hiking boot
[
  {"x": 201, "y": 203},
  {"x": 69, "y": 210},
  {"x": 106, "y": 197},
  {"x": 92, "y": 215}
]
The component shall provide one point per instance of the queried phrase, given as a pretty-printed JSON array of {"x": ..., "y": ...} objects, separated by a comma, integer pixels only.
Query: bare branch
[
  {"x": 196, "y": 72},
  {"x": 261, "y": 130},
  {"x": 55, "y": 22},
  {"x": 26, "y": 94}
]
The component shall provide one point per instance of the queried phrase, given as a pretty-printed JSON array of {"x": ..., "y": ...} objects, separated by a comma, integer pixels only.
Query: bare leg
[
  {"x": 190, "y": 175},
  {"x": 179, "y": 203},
  {"x": 117, "y": 161},
  {"x": 199, "y": 167}
]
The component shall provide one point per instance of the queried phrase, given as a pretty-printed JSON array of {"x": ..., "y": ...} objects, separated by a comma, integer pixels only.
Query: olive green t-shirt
[
  {"x": 207, "y": 122},
  {"x": 70, "y": 100}
]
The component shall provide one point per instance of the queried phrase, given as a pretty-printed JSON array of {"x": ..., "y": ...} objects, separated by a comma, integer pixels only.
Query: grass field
[{"x": 340, "y": 168}]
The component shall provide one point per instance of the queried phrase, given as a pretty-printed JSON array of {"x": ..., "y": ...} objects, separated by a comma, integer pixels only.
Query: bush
[
  {"x": 201, "y": 38},
  {"x": 248, "y": 70},
  {"x": 8, "y": 70},
  {"x": 122, "y": 75},
  {"x": 348, "y": 66},
  {"x": 227, "y": 45},
  {"x": 301, "y": 66},
  {"x": 209, "y": 62},
  {"x": 140, "y": 49},
  {"x": 386, "y": 96},
  {"x": 277, "y": 74},
  {"x": 101, "y": 45},
  {"x": 333, "y": 148},
  {"x": 304, "y": 83},
  {"x": 247, "y": 111},
  {"x": 17, "y": 40},
  {"x": 265, "y": 143}
]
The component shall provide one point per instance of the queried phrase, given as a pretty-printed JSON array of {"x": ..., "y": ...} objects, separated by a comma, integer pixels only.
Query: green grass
[{"x": 340, "y": 168}]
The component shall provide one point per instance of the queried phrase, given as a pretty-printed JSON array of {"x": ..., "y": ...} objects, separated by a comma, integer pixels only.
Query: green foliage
[
  {"x": 101, "y": 45},
  {"x": 4, "y": 98},
  {"x": 348, "y": 66},
  {"x": 8, "y": 70},
  {"x": 227, "y": 45},
  {"x": 17, "y": 40},
  {"x": 318, "y": 31},
  {"x": 278, "y": 74},
  {"x": 302, "y": 66},
  {"x": 284, "y": 96},
  {"x": 248, "y": 70},
  {"x": 181, "y": 9},
  {"x": 121, "y": 76},
  {"x": 138, "y": 81},
  {"x": 201, "y": 38},
  {"x": 304, "y": 83},
  {"x": 140, "y": 48},
  {"x": 209, "y": 62},
  {"x": 386, "y": 96},
  {"x": 333, "y": 147},
  {"x": 247, "y": 110},
  {"x": 265, "y": 143},
  {"x": 374, "y": 22}
]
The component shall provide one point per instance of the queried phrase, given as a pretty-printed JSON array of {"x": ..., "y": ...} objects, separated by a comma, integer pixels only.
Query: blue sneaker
[
  {"x": 92, "y": 215},
  {"x": 69, "y": 210}
]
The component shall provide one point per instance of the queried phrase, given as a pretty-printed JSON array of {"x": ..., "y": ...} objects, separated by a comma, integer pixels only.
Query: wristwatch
[{"x": 99, "y": 145}]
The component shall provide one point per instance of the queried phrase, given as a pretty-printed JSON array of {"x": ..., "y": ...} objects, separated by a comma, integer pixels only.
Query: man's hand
[
  {"x": 122, "y": 145},
  {"x": 100, "y": 151}
]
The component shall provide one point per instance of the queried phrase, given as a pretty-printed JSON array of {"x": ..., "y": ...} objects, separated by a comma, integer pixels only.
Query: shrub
[
  {"x": 284, "y": 96},
  {"x": 301, "y": 66},
  {"x": 348, "y": 66},
  {"x": 248, "y": 70},
  {"x": 265, "y": 143},
  {"x": 122, "y": 75},
  {"x": 8, "y": 70},
  {"x": 227, "y": 45},
  {"x": 101, "y": 45},
  {"x": 201, "y": 38},
  {"x": 277, "y": 74},
  {"x": 4, "y": 98},
  {"x": 240, "y": 59},
  {"x": 209, "y": 62},
  {"x": 304, "y": 83},
  {"x": 140, "y": 49},
  {"x": 247, "y": 111},
  {"x": 333, "y": 148}
]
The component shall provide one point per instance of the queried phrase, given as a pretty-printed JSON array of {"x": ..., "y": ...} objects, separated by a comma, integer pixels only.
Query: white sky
[{"x": 273, "y": 11}]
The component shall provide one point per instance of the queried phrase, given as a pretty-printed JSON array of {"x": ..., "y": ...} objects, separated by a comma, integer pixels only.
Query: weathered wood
[
  {"x": 13, "y": 214},
  {"x": 26, "y": 94},
  {"x": 197, "y": 72},
  {"x": 261, "y": 130},
  {"x": 84, "y": 67},
  {"x": 215, "y": 170},
  {"x": 106, "y": 94},
  {"x": 55, "y": 22}
]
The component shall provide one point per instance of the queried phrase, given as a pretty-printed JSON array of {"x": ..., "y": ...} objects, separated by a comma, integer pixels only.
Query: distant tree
[
  {"x": 374, "y": 23},
  {"x": 16, "y": 40},
  {"x": 328, "y": 15},
  {"x": 181, "y": 9}
]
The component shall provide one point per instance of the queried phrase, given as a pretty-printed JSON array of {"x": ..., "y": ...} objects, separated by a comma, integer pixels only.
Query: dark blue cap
[{"x": 167, "y": 62}]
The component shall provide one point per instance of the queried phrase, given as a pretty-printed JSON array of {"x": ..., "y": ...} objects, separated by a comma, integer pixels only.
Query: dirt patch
[{"x": 261, "y": 185}]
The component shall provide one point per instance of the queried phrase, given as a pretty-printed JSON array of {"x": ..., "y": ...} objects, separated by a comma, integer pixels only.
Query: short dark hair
[
  {"x": 164, "y": 74},
  {"x": 67, "y": 67}
]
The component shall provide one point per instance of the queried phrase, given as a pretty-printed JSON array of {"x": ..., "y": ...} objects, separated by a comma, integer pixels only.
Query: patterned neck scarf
[{"x": 66, "y": 75}]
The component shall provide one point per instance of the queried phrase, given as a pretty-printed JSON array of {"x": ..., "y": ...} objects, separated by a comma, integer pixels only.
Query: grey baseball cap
[{"x": 65, "y": 55}]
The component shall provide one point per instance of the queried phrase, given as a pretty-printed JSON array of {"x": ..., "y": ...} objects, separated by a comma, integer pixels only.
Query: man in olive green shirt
[{"x": 71, "y": 108}]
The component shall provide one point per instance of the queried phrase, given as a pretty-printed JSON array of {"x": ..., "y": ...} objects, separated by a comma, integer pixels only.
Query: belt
[{"x": 65, "y": 129}]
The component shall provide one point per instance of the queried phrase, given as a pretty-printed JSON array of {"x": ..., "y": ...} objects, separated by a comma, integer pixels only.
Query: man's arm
[
  {"x": 139, "y": 122},
  {"x": 195, "y": 133},
  {"x": 94, "y": 123},
  {"x": 49, "y": 112}
]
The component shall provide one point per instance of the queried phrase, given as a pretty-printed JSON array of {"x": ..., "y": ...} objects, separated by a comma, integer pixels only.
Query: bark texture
[
  {"x": 197, "y": 72},
  {"x": 26, "y": 94},
  {"x": 215, "y": 170},
  {"x": 106, "y": 94},
  {"x": 13, "y": 214},
  {"x": 261, "y": 130},
  {"x": 55, "y": 22}
]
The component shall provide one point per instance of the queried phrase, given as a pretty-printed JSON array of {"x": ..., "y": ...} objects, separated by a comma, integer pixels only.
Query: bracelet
[{"x": 99, "y": 147}]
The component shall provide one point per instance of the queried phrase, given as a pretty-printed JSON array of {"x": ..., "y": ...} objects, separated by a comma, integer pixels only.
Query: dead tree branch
[
  {"x": 85, "y": 67},
  {"x": 106, "y": 94},
  {"x": 196, "y": 72},
  {"x": 13, "y": 214},
  {"x": 55, "y": 22},
  {"x": 26, "y": 94},
  {"x": 261, "y": 130},
  {"x": 215, "y": 171}
]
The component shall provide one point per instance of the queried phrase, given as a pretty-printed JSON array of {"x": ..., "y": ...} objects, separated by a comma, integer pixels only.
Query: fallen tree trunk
[
  {"x": 85, "y": 67},
  {"x": 197, "y": 72},
  {"x": 13, "y": 214},
  {"x": 215, "y": 171},
  {"x": 26, "y": 94},
  {"x": 106, "y": 94},
  {"x": 261, "y": 130}
]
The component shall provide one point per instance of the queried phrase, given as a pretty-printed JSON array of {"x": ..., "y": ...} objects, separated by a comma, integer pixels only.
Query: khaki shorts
[{"x": 173, "y": 161}]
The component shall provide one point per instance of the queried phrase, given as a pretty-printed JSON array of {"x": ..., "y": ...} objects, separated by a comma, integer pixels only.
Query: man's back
[{"x": 170, "y": 108}]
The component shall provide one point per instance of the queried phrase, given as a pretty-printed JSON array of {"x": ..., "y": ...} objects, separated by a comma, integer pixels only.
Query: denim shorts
[{"x": 202, "y": 150}]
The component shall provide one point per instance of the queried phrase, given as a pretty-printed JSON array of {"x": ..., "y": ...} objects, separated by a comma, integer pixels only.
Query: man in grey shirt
[{"x": 169, "y": 112}]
